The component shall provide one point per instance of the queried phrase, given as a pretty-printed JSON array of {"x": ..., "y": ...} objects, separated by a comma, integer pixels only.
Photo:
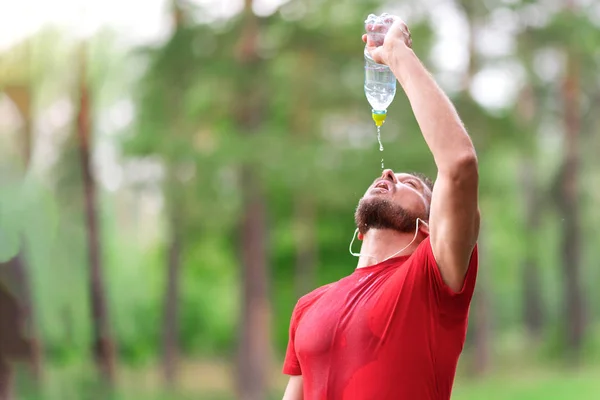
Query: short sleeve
[
  {"x": 291, "y": 365},
  {"x": 449, "y": 302}
]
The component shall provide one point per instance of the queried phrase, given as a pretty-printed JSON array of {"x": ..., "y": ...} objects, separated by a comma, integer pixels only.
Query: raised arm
[{"x": 454, "y": 214}]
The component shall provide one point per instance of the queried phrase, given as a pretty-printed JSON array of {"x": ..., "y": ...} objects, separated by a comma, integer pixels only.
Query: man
[{"x": 395, "y": 328}]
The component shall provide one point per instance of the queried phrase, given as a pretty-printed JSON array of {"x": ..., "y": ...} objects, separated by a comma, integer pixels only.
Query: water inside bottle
[
  {"x": 380, "y": 84},
  {"x": 379, "y": 95}
]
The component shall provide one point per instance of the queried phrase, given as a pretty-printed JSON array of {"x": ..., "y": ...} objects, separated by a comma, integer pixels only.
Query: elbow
[
  {"x": 464, "y": 168},
  {"x": 468, "y": 162}
]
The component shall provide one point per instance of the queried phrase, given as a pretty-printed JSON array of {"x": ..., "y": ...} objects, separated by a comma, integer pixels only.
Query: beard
[{"x": 379, "y": 213}]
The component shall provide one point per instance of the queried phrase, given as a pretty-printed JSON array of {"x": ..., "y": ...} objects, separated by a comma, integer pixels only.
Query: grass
[
  {"x": 582, "y": 384},
  {"x": 214, "y": 381}
]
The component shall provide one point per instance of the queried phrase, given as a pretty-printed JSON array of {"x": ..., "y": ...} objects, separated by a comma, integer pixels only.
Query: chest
[{"x": 359, "y": 312}]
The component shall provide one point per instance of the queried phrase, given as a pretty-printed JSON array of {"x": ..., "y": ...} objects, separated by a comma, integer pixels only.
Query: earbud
[{"x": 393, "y": 255}]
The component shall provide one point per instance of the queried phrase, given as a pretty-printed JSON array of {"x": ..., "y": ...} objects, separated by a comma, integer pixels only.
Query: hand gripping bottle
[{"x": 380, "y": 82}]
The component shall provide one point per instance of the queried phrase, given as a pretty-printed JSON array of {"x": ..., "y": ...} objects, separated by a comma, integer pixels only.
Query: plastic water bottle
[{"x": 380, "y": 82}]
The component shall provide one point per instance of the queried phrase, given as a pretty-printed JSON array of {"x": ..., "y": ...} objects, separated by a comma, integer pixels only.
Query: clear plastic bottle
[{"x": 380, "y": 82}]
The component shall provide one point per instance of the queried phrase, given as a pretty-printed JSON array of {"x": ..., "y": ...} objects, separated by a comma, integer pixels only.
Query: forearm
[
  {"x": 294, "y": 389},
  {"x": 440, "y": 124}
]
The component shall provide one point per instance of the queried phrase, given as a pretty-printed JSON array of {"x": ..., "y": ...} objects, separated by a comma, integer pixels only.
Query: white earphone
[{"x": 393, "y": 255}]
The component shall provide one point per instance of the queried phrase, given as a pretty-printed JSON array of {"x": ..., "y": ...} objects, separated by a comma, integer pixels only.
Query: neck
[{"x": 381, "y": 244}]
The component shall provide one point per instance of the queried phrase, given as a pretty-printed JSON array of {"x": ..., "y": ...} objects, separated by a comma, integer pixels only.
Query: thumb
[{"x": 376, "y": 54}]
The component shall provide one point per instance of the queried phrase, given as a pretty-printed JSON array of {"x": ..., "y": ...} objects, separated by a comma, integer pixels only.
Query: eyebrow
[{"x": 414, "y": 179}]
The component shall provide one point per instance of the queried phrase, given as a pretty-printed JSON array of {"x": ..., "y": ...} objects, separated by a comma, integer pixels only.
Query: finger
[
  {"x": 374, "y": 52},
  {"x": 408, "y": 39},
  {"x": 408, "y": 42},
  {"x": 364, "y": 38},
  {"x": 398, "y": 24}
]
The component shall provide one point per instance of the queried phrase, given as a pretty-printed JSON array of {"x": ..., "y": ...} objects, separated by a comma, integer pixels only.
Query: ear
[{"x": 360, "y": 236}]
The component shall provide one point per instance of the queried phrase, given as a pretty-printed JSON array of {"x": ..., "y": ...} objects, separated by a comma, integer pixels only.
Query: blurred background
[{"x": 176, "y": 174}]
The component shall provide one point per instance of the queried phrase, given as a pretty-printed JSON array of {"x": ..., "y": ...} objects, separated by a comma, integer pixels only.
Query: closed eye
[{"x": 411, "y": 183}]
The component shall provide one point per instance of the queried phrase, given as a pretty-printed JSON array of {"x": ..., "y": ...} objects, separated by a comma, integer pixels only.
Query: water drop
[
  {"x": 379, "y": 138},
  {"x": 380, "y": 144}
]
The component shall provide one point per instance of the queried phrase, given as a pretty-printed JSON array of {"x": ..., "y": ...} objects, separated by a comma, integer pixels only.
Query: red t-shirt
[{"x": 393, "y": 330}]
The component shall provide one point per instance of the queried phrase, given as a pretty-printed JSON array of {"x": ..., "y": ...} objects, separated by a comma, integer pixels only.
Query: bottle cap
[
  {"x": 376, "y": 27},
  {"x": 379, "y": 117}
]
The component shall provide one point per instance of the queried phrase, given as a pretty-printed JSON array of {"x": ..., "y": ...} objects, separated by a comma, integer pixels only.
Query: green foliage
[{"x": 311, "y": 138}]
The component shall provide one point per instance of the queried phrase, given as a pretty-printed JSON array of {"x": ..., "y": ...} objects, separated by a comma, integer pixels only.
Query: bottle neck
[
  {"x": 379, "y": 116},
  {"x": 370, "y": 59}
]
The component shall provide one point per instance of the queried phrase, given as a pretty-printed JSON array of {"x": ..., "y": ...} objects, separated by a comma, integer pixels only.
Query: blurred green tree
[{"x": 104, "y": 349}]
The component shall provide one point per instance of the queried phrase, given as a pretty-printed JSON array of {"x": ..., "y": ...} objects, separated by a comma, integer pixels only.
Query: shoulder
[
  {"x": 306, "y": 301},
  {"x": 424, "y": 264},
  {"x": 310, "y": 298},
  {"x": 423, "y": 255}
]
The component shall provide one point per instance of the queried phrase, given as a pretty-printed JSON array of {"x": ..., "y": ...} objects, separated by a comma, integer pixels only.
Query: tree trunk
[
  {"x": 20, "y": 272},
  {"x": 171, "y": 315},
  {"x": 567, "y": 199},
  {"x": 304, "y": 204},
  {"x": 9, "y": 321},
  {"x": 5, "y": 380},
  {"x": 21, "y": 97},
  {"x": 254, "y": 351},
  {"x": 533, "y": 313},
  {"x": 568, "y": 204},
  {"x": 170, "y": 342},
  {"x": 481, "y": 315},
  {"x": 254, "y": 357},
  {"x": 104, "y": 346},
  {"x": 306, "y": 245},
  {"x": 481, "y": 333},
  {"x": 13, "y": 346},
  {"x": 531, "y": 285},
  {"x": 9, "y": 330}
]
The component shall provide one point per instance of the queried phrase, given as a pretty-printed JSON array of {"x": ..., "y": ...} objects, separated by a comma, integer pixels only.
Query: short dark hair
[{"x": 423, "y": 178}]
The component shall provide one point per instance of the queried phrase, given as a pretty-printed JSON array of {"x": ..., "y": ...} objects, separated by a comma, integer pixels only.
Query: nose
[{"x": 389, "y": 175}]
